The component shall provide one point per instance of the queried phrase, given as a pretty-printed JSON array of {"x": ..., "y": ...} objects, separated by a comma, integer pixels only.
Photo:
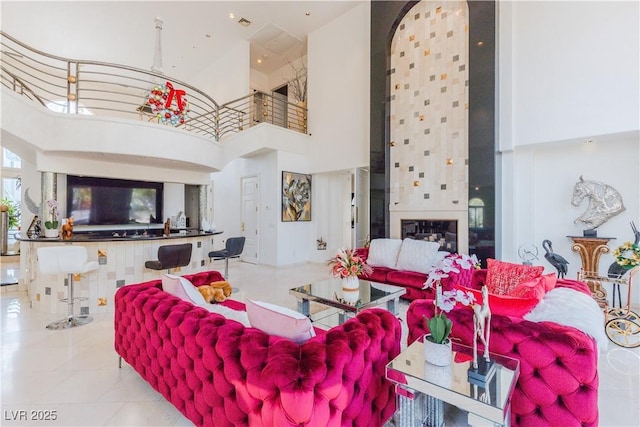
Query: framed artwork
[{"x": 296, "y": 197}]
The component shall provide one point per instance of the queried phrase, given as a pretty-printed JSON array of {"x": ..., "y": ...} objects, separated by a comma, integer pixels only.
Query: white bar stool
[{"x": 69, "y": 260}]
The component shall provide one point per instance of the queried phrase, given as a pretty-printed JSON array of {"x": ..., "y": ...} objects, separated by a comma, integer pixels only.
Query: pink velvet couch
[
  {"x": 217, "y": 372},
  {"x": 412, "y": 281},
  {"x": 558, "y": 382}
]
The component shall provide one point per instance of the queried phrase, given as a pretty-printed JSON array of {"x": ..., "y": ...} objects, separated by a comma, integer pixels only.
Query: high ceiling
[{"x": 194, "y": 34}]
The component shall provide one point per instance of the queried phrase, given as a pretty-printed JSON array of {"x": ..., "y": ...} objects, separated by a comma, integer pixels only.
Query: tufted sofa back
[
  {"x": 217, "y": 372},
  {"x": 558, "y": 382}
]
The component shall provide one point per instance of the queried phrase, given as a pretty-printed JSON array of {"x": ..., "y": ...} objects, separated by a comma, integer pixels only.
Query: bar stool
[
  {"x": 68, "y": 260},
  {"x": 171, "y": 256},
  {"x": 233, "y": 249}
]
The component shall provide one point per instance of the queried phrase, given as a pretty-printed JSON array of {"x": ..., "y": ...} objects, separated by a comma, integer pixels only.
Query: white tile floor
[{"x": 74, "y": 373}]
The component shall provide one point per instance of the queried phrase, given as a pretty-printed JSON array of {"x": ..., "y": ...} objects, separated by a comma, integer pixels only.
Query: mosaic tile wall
[{"x": 429, "y": 109}]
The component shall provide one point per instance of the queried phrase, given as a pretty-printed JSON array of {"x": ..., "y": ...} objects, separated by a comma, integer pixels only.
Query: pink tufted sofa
[
  {"x": 217, "y": 372},
  {"x": 558, "y": 383},
  {"x": 412, "y": 281}
]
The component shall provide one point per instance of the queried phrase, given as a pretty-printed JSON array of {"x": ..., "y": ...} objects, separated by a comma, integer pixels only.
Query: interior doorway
[
  {"x": 192, "y": 206},
  {"x": 281, "y": 105}
]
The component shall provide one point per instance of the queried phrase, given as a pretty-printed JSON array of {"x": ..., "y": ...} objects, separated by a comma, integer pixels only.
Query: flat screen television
[{"x": 105, "y": 201}]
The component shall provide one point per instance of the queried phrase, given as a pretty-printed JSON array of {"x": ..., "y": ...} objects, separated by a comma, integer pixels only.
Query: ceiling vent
[
  {"x": 275, "y": 39},
  {"x": 244, "y": 22}
]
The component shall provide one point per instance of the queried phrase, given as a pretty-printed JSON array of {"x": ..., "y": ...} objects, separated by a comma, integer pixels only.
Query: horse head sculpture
[{"x": 604, "y": 202}]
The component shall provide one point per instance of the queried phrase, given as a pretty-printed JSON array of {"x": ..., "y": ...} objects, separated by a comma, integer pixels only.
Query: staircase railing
[{"x": 91, "y": 87}]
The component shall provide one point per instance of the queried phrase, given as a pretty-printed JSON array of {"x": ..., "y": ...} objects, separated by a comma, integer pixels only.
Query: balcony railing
[{"x": 90, "y": 87}]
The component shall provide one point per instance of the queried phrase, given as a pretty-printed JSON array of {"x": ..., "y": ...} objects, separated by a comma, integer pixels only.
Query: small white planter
[
  {"x": 51, "y": 232},
  {"x": 437, "y": 354}
]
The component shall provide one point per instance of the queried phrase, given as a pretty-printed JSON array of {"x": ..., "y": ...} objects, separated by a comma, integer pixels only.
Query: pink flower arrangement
[
  {"x": 452, "y": 263},
  {"x": 348, "y": 263}
]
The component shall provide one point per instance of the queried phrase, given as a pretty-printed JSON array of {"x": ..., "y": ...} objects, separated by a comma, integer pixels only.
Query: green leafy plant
[{"x": 13, "y": 212}]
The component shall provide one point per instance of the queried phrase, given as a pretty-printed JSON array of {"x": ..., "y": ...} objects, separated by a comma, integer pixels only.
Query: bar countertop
[{"x": 120, "y": 236}]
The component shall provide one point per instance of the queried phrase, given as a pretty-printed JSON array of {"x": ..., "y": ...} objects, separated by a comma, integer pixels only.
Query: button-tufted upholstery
[
  {"x": 217, "y": 372},
  {"x": 558, "y": 382}
]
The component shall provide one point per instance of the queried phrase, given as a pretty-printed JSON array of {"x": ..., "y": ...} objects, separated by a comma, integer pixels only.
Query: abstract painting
[{"x": 296, "y": 197}]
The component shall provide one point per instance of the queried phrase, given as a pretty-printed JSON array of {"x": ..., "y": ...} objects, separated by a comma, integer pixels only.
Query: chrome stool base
[{"x": 69, "y": 322}]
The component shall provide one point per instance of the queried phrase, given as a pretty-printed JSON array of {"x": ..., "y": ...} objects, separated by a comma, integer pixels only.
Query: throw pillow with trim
[
  {"x": 182, "y": 288},
  {"x": 384, "y": 252},
  {"x": 503, "y": 277},
  {"x": 280, "y": 321},
  {"x": 417, "y": 255}
]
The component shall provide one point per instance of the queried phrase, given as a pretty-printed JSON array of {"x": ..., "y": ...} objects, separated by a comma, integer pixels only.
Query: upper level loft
[{"x": 171, "y": 122}]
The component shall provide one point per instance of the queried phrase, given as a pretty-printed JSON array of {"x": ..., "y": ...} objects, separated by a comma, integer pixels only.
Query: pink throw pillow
[
  {"x": 535, "y": 288},
  {"x": 503, "y": 277},
  {"x": 280, "y": 321},
  {"x": 504, "y": 305}
]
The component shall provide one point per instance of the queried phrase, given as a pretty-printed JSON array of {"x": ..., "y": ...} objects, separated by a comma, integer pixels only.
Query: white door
[{"x": 250, "y": 215}]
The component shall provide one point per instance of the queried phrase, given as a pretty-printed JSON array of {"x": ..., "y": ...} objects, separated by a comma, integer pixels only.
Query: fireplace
[{"x": 443, "y": 231}]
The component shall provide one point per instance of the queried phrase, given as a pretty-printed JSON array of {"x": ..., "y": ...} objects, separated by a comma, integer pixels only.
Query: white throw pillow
[
  {"x": 280, "y": 321},
  {"x": 417, "y": 255},
  {"x": 384, "y": 252},
  {"x": 182, "y": 288},
  {"x": 229, "y": 313}
]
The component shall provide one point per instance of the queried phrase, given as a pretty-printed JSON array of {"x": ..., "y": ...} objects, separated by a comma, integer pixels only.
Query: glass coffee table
[
  {"x": 422, "y": 388},
  {"x": 343, "y": 305}
]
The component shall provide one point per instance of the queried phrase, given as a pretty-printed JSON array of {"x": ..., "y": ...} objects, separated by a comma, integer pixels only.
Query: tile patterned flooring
[{"x": 75, "y": 372}]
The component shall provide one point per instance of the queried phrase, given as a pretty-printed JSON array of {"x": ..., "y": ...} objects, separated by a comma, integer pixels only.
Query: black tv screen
[{"x": 105, "y": 201}]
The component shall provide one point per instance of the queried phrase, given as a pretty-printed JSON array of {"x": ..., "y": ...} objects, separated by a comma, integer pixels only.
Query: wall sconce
[
  {"x": 416, "y": 183},
  {"x": 449, "y": 161},
  {"x": 392, "y": 144}
]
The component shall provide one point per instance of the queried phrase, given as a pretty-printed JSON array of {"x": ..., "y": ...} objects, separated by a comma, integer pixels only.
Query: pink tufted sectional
[
  {"x": 217, "y": 372},
  {"x": 558, "y": 383},
  {"x": 412, "y": 281}
]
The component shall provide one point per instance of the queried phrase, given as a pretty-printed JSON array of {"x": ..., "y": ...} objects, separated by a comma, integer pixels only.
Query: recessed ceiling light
[
  {"x": 307, "y": 13},
  {"x": 208, "y": 35},
  {"x": 231, "y": 15},
  {"x": 259, "y": 61},
  {"x": 480, "y": 43}
]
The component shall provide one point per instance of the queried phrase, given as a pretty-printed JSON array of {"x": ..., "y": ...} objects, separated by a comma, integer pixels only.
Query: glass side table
[{"x": 422, "y": 388}]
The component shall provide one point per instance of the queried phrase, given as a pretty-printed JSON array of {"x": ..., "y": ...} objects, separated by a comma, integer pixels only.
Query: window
[
  {"x": 11, "y": 164},
  {"x": 476, "y": 213}
]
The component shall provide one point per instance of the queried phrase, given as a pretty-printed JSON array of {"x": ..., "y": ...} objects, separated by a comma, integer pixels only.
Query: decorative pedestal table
[{"x": 590, "y": 249}]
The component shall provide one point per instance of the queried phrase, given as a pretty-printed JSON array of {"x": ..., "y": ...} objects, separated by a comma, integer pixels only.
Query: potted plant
[
  {"x": 51, "y": 226},
  {"x": 437, "y": 345},
  {"x": 13, "y": 212},
  {"x": 297, "y": 85}
]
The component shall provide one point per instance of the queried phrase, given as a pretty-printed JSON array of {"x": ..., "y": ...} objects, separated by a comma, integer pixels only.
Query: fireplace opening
[{"x": 444, "y": 232}]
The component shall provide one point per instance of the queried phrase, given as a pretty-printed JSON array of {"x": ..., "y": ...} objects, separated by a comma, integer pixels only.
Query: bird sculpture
[{"x": 554, "y": 259}]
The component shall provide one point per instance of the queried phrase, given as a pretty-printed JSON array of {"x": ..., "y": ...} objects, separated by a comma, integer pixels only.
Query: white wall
[
  {"x": 227, "y": 78},
  {"x": 567, "y": 73},
  {"x": 573, "y": 68},
  {"x": 339, "y": 68}
]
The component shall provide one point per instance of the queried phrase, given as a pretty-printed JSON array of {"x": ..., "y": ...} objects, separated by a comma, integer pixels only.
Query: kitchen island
[{"x": 121, "y": 257}]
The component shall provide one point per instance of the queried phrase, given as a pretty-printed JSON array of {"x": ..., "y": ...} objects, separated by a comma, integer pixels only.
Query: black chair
[
  {"x": 171, "y": 256},
  {"x": 233, "y": 249}
]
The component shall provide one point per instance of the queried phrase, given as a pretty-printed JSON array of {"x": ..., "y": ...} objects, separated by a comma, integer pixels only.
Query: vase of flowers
[
  {"x": 51, "y": 226},
  {"x": 348, "y": 265}
]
